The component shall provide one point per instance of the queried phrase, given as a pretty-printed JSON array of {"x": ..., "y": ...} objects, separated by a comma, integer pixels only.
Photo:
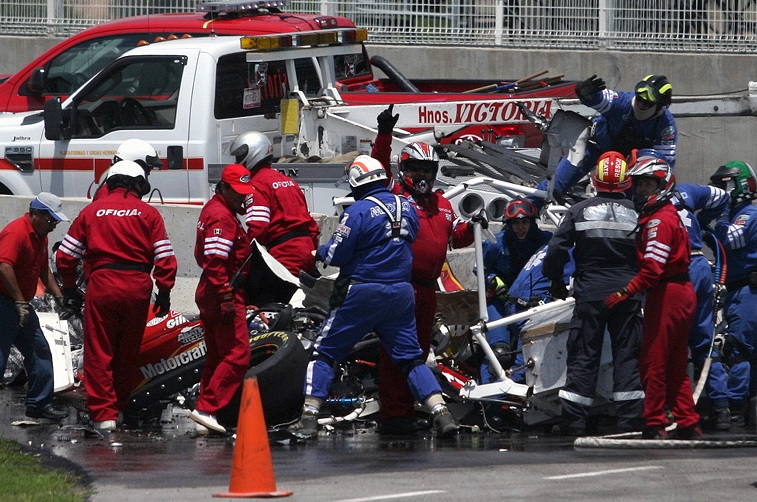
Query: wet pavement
[{"x": 354, "y": 464}]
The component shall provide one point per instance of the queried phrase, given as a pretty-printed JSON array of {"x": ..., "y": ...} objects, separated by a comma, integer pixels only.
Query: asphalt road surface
[{"x": 355, "y": 464}]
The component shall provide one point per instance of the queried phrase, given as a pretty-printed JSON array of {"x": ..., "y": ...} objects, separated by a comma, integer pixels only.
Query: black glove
[
  {"x": 162, "y": 304},
  {"x": 23, "y": 314},
  {"x": 718, "y": 297},
  {"x": 64, "y": 313},
  {"x": 480, "y": 217},
  {"x": 586, "y": 89},
  {"x": 73, "y": 300},
  {"x": 558, "y": 290},
  {"x": 503, "y": 353},
  {"x": 387, "y": 121}
]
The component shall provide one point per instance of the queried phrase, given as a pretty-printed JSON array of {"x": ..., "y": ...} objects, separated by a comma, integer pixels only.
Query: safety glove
[
  {"x": 64, "y": 312},
  {"x": 162, "y": 303},
  {"x": 617, "y": 297},
  {"x": 558, "y": 290},
  {"x": 227, "y": 312},
  {"x": 480, "y": 217},
  {"x": 73, "y": 300},
  {"x": 498, "y": 288},
  {"x": 503, "y": 353},
  {"x": 23, "y": 313},
  {"x": 586, "y": 89},
  {"x": 387, "y": 121}
]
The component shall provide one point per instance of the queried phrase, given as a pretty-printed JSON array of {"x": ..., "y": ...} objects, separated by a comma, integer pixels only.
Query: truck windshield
[{"x": 139, "y": 94}]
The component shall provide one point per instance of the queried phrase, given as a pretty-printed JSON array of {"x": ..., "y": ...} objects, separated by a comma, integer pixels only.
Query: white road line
[
  {"x": 602, "y": 473},
  {"x": 393, "y": 496}
]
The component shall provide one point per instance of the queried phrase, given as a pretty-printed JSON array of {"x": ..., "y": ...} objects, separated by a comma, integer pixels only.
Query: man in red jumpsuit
[
  {"x": 438, "y": 226},
  {"x": 221, "y": 249},
  {"x": 277, "y": 214},
  {"x": 121, "y": 240},
  {"x": 663, "y": 250}
]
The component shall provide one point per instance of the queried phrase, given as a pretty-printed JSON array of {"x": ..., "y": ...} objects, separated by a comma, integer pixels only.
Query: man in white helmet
[
  {"x": 277, "y": 214},
  {"x": 122, "y": 240},
  {"x": 135, "y": 150},
  {"x": 372, "y": 248}
]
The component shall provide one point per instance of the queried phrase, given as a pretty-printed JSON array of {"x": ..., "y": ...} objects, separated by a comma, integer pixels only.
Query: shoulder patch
[
  {"x": 343, "y": 230},
  {"x": 216, "y": 231},
  {"x": 668, "y": 134},
  {"x": 741, "y": 220},
  {"x": 653, "y": 223}
]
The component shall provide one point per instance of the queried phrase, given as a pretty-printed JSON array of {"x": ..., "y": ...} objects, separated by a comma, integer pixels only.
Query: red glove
[
  {"x": 616, "y": 298},
  {"x": 226, "y": 293},
  {"x": 227, "y": 312}
]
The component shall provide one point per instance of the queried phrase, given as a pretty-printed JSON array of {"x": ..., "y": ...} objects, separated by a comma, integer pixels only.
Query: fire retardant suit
[
  {"x": 121, "y": 239},
  {"x": 375, "y": 294},
  {"x": 278, "y": 217},
  {"x": 737, "y": 230},
  {"x": 530, "y": 288},
  {"x": 602, "y": 230},
  {"x": 663, "y": 249},
  {"x": 698, "y": 206},
  {"x": 438, "y": 226},
  {"x": 221, "y": 248},
  {"x": 617, "y": 129}
]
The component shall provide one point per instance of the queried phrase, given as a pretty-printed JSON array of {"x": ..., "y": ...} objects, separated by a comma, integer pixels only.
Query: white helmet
[
  {"x": 365, "y": 169},
  {"x": 126, "y": 168},
  {"x": 139, "y": 151},
  {"x": 251, "y": 149}
]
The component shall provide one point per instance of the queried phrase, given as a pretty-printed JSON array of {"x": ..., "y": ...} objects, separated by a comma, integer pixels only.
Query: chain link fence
[{"x": 643, "y": 25}]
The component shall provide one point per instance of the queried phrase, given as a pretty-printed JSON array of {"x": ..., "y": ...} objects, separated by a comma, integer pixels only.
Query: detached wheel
[{"x": 279, "y": 362}]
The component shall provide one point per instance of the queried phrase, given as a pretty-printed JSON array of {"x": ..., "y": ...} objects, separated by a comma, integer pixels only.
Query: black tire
[{"x": 279, "y": 361}]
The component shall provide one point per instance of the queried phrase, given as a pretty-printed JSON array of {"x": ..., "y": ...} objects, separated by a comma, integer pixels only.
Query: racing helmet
[
  {"x": 252, "y": 149},
  {"x": 519, "y": 209},
  {"x": 139, "y": 151},
  {"x": 652, "y": 93},
  {"x": 660, "y": 171},
  {"x": 611, "y": 173},
  {"x": 364, "y": 170},
  {"x": 418, "y": 157},
  {"x": 738, "y": 179}
]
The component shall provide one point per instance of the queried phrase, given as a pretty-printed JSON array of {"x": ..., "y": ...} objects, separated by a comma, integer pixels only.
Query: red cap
[{"x": 238, "y": 177}]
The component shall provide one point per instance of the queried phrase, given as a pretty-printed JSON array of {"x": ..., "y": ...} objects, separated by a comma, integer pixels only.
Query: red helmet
[
  {"x": 658, "y": 170},
  {"x": 418, "y": 157},
  {"x": 611, "y": 173},
  {"x": 520, "y": 208}
]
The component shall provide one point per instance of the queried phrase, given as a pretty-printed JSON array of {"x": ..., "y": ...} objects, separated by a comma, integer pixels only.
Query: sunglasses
[{"x": 49, "y": 219}]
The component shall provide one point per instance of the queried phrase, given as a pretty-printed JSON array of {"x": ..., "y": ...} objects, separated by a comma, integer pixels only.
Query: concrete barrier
[{"x": 181, "y": 222}]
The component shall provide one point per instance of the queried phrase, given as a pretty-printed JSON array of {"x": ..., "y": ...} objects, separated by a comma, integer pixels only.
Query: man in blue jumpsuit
[
  {"x": 503, "y": 261},
  {"x": 372, "y": 248},
  {"x": 602, "y": 228},
  {"x": 627, "y": 120},
  {"x": 531, "y": 288},
  {"x": 698, "y": 206},
  {"x": 737, "y": 230}
]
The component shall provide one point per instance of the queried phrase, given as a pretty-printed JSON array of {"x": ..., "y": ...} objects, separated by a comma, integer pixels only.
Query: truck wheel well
[{"x": 4, "y": 190}]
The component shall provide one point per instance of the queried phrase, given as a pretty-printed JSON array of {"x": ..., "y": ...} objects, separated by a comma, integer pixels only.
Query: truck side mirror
[
  {"x": 36, "y": 83},
  {"x": 57, "y": 120}
]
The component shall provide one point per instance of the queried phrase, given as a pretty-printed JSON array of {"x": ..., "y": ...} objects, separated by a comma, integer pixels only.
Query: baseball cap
[
  {"x": 46, "y": 201},
  {"x": 238, "y": 177}
]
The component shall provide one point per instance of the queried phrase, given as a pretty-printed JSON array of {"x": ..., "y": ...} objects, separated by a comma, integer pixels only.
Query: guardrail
[{"x": 648, "y": 25}]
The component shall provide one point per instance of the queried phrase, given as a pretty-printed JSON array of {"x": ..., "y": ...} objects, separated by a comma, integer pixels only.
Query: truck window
[
  {"x": 347, "y": 66},
  {"x": 140, "y": 94},
  {"x": 71, "y": 68},
  {"x": 237, "y": 94}
]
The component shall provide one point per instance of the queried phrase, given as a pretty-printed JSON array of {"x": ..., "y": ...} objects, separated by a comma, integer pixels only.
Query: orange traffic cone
[{"x": 252, "y": 470}]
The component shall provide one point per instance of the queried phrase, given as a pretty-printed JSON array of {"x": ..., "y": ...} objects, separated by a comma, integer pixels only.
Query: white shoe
[
  {"x": 105, "y": 425},
  {"x": 201, "y": 430},
  {"x": 207, "y": 420}
]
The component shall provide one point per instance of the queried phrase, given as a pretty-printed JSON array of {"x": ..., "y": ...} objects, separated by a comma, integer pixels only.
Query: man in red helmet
[
  {"x": 438, "y": 227},
  {"x": 602, "y": 229},
  {"x": 663, "y": 252}
]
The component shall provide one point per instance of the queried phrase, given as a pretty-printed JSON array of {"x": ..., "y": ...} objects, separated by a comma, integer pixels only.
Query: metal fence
[{"x": 648, "y": 25}]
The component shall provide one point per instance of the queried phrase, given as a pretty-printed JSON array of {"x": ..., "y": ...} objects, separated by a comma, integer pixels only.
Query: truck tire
[{"x": 278, "y": 360}]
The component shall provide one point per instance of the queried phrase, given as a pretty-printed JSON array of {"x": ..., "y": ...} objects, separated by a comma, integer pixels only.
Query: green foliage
[{"x": 23, "y": 478}]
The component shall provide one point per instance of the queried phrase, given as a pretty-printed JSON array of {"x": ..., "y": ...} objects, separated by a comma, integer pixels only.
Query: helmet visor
[
  {"x": 646, "y": 95},
  {"x": 420, "y": 166}
]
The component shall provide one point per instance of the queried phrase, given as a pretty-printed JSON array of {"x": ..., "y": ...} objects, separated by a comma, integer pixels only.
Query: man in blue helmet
[
  {"x": 737, "y": 230},
  {"x": 627, "y": 120}
]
